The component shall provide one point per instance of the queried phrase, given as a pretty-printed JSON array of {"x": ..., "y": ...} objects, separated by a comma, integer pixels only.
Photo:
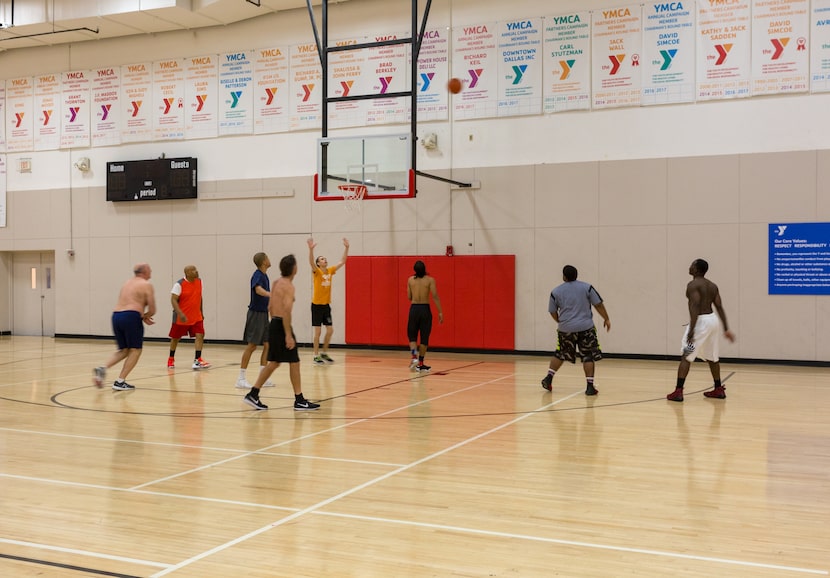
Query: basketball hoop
[{"x": 353, "y": 195}]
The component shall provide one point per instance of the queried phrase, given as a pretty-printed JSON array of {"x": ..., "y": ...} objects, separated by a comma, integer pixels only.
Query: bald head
[{"x": 142, "y": 270}]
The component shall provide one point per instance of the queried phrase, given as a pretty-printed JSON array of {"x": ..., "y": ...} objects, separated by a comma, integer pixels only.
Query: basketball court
[{"x": 470, "y": 470}]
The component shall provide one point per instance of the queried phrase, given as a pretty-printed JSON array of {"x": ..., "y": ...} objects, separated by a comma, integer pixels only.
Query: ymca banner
[
  {"x": 168, "y": 100},
  {"x": 2, "y": 190},
  {"x": 474, "y": 62},
  {"x": 348, "y": 76},
  {"x": 236, "y": 87},
  {"x": 305, "y": 96},
  {"x": 615, "y": 54},
  {"x": 19, "y": 114},
  {"x": 820, "y": 46},
  {"x": 433, "y": 75},
  {"x": 136, "y": 102},
  {"x": 271, "y": 78},
  {"x": 47, "y": 107},
  {"x": 724, "y": 50},
  {"x": 780, "y": 60},
  {"x": 75, "y": 96},
  {"x": 201, "y": 96},
  {"x": 387, "y": 69},
  {"x": 567, "y": 62},
  {"x": 668, "y": 52},
  {"x": 2, "y": 117},
  {"x": 106, "y": 107},
  {"x": 520, "y": 67}
]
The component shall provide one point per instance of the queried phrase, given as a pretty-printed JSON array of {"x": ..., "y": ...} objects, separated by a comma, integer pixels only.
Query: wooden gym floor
[{"x": 472, "y": 470}]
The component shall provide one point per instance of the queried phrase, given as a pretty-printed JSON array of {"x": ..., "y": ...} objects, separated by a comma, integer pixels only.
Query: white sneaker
[
  {"x": 268, "y": 383},
  {"x": 243, "y": 384}
]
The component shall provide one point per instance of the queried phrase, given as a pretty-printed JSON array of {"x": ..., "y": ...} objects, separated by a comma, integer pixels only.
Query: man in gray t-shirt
[{"x": 570, "y": 306}]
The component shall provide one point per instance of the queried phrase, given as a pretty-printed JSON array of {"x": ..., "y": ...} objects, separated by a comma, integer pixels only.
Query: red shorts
[{"x": 177, "y": 330}]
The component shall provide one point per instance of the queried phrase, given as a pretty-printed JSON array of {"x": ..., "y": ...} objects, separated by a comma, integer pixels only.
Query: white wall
[{"x": 629, "y": 196}]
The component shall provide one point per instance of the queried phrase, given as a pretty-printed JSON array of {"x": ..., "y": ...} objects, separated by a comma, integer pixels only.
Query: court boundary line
[{"x": 87, "y": 553}]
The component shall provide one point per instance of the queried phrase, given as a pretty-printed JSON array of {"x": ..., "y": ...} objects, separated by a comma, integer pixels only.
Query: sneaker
[
  {"x": 326, "y": 358},
  {"x": 717, "y": 393},
  {"x": 305, "y": 405},
  {"x": 122, "y": 386},
  {"x": 268, "y": 383},
  {"x": 100, "y": 376},
  {"x": 422, "y": 368},
  {"x": 676, "y": 395},
  {"x": 254, "y": 402},
  {"x": 547, "y": 382},
  {"x": 200, "y": 364},
  {"x": 318, "y": 360},
  {"x": 591, "y": 390},
  {"x": 243, "y": 384},
  {"x": 171, "y": 362},
  {"x": 413, "y": 364}
]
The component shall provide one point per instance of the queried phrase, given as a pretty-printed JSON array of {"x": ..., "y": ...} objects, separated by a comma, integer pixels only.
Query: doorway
[{"x": 33, "y": 293}]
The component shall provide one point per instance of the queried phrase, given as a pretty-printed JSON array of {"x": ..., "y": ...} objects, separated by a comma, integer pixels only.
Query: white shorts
[{"x": 706, "y": 341}]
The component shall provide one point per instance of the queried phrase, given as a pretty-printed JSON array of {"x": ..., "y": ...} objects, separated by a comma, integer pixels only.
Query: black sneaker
[
  {"x": 254, "y": 402},
  {"x": 122, "y": 386},
  {"x": 591, "y": 390},
  {"x": 547, "y": 382},
  {"x": 422, "y": 368},
  {"x": 305, "y": 405}
]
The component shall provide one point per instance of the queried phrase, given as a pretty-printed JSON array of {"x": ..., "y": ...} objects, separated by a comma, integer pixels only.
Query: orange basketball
[{"x": 454, "y": 85}]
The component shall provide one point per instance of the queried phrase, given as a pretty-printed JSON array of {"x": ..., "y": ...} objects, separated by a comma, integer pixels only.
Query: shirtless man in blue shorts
[{"x": 136, "y": 305}]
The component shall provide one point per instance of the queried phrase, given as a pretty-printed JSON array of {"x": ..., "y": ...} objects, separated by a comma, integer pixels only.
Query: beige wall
[{"x": 630, "y": 227}]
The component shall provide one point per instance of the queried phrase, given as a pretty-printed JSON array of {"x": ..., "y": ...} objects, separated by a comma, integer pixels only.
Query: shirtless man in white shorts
[{"x": 702, "y": 335}]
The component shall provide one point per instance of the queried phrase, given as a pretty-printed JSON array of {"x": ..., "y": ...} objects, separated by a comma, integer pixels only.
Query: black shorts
[
  {"x": 585, "y": 341},
  {"x": 320, "y": 315},
  {"x": 277, "y": 351},
  {"x": 420, "y": 321}
]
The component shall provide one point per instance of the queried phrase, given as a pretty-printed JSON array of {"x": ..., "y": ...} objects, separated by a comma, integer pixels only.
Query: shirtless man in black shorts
[
  {"x": 419, "y": 288},
  {"x": 282, "y": 345},
  {"x": 702, "y": 336}
]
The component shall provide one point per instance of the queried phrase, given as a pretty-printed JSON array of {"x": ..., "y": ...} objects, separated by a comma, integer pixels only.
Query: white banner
[
  {"x": 820, "y": 46},
  {"x": 723, "y": 50},
  {"x": 616, "y": 47},
  {"x": 2, "y": 190},
  {"x": 780, "y": 33},
  {"x": 433, "y": 75},
  {"x": 201, "y": 96},
  {"x": 475, "y": 63},
  {"x": 168, "y": 100},
  {"x": 19, "y": 114},
  {"x": 47, "y": 107},
  {"x": 75, "y": 95},
  {"x": 348, "y": 76},
  {"x": 236, "y": 89},
  {"x": 668, "y": 53},
  {"x": 520, "y": 67},
  {"x": 2, "y": 117},
  {"x": 136, "y": 102},
  {"x": 271, "y": 78},
  {"x": 305, "y": 99},
  {"x": 106, "y": 107},
  {"x": 567, "y": 62},
  {"x": 388, "y": 71}
]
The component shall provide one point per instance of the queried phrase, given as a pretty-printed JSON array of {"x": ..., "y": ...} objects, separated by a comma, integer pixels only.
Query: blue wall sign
[{"x": 799, "y": 259}]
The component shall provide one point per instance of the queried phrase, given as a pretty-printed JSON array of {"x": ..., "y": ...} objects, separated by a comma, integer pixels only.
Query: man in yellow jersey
[{"x": 321, "y": 299}]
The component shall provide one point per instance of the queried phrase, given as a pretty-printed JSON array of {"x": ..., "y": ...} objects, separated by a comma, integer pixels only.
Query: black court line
[
  {"x": 67, "y": 566},
  {"x": 235, "y": 414}
]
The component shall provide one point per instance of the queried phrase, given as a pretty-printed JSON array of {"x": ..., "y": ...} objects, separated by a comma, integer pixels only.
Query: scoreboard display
[{"x": 152, "y": 180}]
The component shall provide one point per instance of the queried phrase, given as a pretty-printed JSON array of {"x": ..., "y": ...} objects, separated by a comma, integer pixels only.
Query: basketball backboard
[{"x": 382, "y": 163}]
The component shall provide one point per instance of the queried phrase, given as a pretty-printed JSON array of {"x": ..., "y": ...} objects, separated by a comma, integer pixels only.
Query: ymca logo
[
  {"x": 519, "y": 72},
  {"x": 779, "y": 44},
  {"x": 47, "y": 114},
  {"x": 567, "y": 66},
  {"x": 616, "y": 62},
  {"x": 346, "y": 85},
  {"x": 271, "y": 94},
  {"x": 136, "y": 104},
  {"x": 18, "y": 116},
  {"x": 475, "y": 74},
  {"x": 105, "y": 111},
  {"x": 426, "y": 80},
  {"x": 779, "y": 230},
  {"x": 73, "y": 113},
  {"x": 235, "y": 96},
  {"x": 307, "y": 88},
  {"x": 723, "y": 51},
  {"x": 385, "y": 81},
  {"x": 668, "y": 58},
  {"x": 200, "y": 101}
]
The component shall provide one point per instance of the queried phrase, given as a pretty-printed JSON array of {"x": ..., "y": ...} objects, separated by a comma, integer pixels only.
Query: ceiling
[{"x": 31, "y": 23}]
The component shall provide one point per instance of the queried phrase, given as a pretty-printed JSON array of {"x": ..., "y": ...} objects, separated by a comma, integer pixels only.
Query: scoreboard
[{"x": 152, "y": 180}]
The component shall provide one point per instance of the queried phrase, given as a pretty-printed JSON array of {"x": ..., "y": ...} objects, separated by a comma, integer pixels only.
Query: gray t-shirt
[{"x": 572, "y": 302}]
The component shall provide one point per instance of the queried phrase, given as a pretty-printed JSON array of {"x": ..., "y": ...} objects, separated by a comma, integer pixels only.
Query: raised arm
[
  {"x": 345, "y": 254},
  {"x": 311, "y": 245}
]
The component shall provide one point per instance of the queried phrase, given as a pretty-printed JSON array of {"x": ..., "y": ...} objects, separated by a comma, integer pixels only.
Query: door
[{"x": 33, "y": 293}]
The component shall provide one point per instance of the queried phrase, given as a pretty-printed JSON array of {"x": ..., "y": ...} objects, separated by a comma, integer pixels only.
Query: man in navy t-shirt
[{"x": 256, "y": 324}]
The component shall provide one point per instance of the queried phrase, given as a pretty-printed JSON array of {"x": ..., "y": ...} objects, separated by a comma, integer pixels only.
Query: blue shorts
[{"x": 128, "y": 328}]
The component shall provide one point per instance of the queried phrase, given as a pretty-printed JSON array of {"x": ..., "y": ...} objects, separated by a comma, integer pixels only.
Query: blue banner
[{"x": 799, "y": 259}]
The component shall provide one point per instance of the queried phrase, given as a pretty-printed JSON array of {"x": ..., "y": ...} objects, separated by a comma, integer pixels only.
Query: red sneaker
[
  {"x": 676, "y": 395},
  {"x": 171, "y": 362},
  {"x": 717, "y": 393}
]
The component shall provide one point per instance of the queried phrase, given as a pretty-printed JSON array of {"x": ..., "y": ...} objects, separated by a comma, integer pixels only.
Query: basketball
[{"x": 454, "y": 85}]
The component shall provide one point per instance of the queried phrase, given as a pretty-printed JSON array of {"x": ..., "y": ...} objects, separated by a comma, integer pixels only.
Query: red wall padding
[{"x": 477, "y": 292}]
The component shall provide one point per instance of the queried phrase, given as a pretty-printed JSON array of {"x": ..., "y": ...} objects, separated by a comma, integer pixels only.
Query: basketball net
[{"x": 353, "y": 195}]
